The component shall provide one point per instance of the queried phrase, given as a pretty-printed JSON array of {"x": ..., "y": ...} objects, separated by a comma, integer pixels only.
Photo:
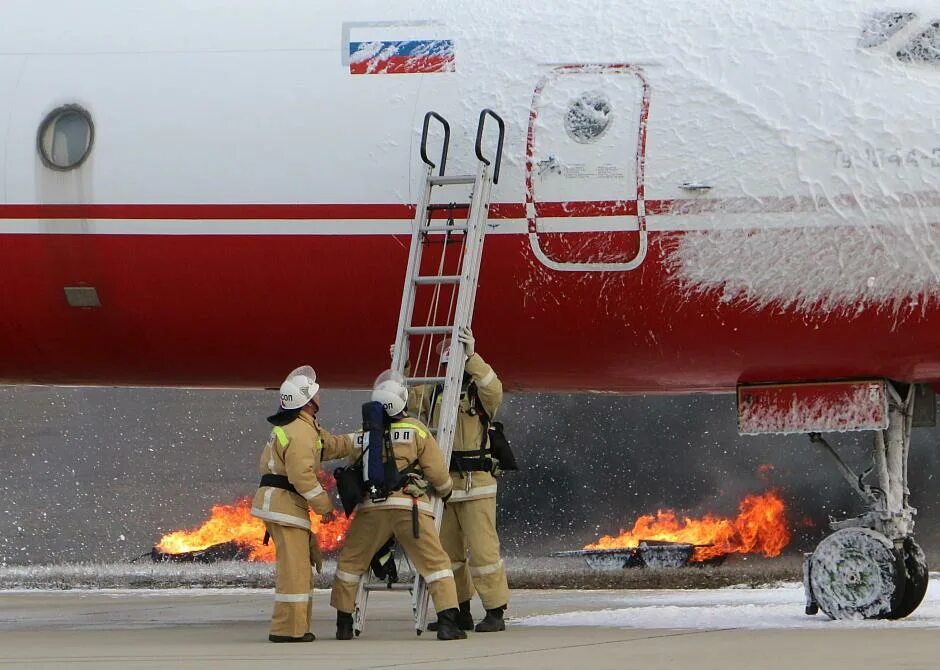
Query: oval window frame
[
  {"x": 585, "y": 96},
  {"x": 48, "y": 120}
]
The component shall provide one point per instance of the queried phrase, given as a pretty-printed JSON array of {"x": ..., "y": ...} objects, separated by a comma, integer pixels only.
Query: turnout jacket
[
  {"x": 295, "y": 451},
  {"x": 412, "y": 443},
  {"x": 468, "y": 435}
]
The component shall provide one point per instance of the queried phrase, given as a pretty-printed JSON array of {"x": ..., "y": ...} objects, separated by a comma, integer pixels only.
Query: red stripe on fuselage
[
  {"x": 404, "y": 65},
  {"x": 296, "y": 212},
  {"x": 197, "y": 212}
]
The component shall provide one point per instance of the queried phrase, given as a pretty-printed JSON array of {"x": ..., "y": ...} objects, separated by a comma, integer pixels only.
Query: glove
[
  {"x": 495, "y": 470},
  {"x": 416, "y": 486},
  {"x": 466, "y": 336},
  {"x": 316, "y": 556}
]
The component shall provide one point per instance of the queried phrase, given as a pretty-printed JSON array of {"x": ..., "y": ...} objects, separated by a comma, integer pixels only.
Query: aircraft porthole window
[
  {"x": 65, "y": 138},
  {"x": 588, "y": 117}
]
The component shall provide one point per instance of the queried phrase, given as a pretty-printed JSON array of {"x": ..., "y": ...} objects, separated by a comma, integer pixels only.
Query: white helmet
[
  {"x": 299, "y": 388},
  {"x": 390, "y": 390}
]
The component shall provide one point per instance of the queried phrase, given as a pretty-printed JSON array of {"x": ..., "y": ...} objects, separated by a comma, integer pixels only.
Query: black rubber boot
[
  {"x": 492, "y": 622},
  {"x": 447, "y": 628},
  {"x": 464, "y": 618},
  {"x": 307, "y": 637},
  {"x": 344, "y": 626}
]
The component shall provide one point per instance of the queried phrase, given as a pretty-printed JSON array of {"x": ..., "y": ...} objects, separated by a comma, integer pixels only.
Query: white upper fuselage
[{"x": 236, "y": 101}]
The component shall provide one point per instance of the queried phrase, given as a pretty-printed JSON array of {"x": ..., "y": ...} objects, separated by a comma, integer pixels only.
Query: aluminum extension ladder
[{"x": 447, "y": 290}]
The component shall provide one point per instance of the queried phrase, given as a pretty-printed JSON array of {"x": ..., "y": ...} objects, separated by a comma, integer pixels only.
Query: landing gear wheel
[
  {"x": 855, "y": 573},
  {"x": 915, "y": 583}
]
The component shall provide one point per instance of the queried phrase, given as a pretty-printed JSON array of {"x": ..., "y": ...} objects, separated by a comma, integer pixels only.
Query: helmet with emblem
[{"x": 389, "y": 389}]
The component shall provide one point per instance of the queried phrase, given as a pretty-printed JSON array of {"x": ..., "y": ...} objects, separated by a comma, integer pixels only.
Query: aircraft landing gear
[{"x": 871, "y": 567}]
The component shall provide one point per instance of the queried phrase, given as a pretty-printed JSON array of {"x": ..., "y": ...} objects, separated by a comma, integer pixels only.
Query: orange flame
[
  {"x": 760, "y": 528},
  {"x": 234, "y": 522}
]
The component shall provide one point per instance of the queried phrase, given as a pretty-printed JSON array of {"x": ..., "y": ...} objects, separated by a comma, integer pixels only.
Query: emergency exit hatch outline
[{"x": 609, "y": 207}]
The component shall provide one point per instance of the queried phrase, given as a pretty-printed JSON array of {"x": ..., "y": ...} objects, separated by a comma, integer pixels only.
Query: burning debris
[
  {"x": 655, "y": 541},
  {"x": 664, "y": 540},
  {"x": 232, "y": 533},
  {"x": 225, "y": 551}
]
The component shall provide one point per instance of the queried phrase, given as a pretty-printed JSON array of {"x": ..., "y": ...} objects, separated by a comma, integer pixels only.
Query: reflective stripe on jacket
[{"x": 295, "y": 451}]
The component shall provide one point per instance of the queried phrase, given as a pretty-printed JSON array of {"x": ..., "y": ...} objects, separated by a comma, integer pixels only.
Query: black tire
[{"x": 915, "y": 582}]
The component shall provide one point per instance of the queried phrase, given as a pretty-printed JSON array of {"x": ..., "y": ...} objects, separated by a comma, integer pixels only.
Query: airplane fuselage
[{"x": 691, "y": 196}]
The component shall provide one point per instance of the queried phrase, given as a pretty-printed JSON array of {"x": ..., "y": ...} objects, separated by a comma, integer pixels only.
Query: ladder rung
[
  {"x": 438, "y": 279},
  {"x": 457, "y": 179},
  {"x": 416, "y": 381},
  {"x": 397, "y": 586},
  {"x": 438, "y": 207},
  {"x": 444, "y": 229},
  {"x": 429, "y": 330}
]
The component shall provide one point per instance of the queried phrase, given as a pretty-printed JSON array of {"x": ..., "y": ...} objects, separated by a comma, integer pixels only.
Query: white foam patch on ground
[
  {"x": 769, "y": 608},
  {"x": 841, "y": 270}
]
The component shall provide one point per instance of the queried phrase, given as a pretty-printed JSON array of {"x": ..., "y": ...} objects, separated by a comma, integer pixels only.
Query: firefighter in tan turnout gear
[
  {"x": 289, "y": 465},
  {"x": 402, "y": 509},
  {"x": 470, "y": 517}
]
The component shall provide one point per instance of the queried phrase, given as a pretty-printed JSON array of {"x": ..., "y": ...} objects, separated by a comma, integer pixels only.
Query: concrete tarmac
[{"x": 228, "y": 629}]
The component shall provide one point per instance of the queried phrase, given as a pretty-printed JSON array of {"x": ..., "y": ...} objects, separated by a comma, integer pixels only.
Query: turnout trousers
[
  {"x": 292, "y": 603},
  {"x": 471, "y": 525},
  {"x": 370, "y": 529}
]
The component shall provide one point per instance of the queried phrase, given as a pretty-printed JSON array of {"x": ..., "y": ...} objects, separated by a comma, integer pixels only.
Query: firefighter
[
  {"x": 470, "y": 517},
  {"x": 289, "y": 465},
  {"x": 403, "y": 511}
]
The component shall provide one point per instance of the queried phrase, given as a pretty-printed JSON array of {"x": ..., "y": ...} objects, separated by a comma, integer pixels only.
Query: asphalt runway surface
[{"x": 727, "y": 629}]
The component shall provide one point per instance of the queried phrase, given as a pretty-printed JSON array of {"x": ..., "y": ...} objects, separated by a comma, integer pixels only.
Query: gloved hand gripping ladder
[{"x": 459, "y": 313}]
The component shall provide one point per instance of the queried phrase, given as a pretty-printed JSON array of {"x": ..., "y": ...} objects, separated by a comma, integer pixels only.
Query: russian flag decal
[{"x": 401, "y": 57}]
